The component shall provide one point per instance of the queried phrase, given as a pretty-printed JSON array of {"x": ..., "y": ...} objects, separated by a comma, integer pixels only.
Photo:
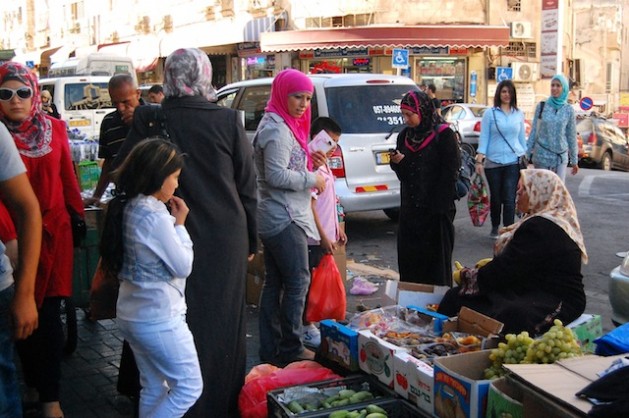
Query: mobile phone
[
  {"x": 392, "y": 150},
  {"x": 321, "y": 142}
]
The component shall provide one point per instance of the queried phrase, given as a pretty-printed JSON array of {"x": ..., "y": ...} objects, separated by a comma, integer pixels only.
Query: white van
[
  {"x": 95, "y": 64},
  {"x": 82, "y": 101},
  {"x": 367, "y": 107}
]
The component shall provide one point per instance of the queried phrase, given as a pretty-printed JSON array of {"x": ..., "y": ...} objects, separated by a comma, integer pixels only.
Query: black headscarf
[{"x": 418, "y": 102}]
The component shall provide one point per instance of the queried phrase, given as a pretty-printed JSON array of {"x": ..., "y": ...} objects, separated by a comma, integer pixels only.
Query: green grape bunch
[{"x": 556, "y": 344}]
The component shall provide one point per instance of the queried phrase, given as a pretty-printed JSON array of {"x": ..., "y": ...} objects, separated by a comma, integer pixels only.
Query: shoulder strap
[
  {"x": 498, "y": 129},
  {"x": 541, "y": 109}
]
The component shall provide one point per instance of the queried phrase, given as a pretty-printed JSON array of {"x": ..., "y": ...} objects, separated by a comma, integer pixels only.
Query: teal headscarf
[{"x": 557, "y": 102}]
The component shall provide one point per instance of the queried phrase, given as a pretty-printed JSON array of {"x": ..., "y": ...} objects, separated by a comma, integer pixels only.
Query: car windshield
[
  {"x": 478, "y": 111},
  {"x": 366, "y": 109},
  {"x": 81, "y": 96}
]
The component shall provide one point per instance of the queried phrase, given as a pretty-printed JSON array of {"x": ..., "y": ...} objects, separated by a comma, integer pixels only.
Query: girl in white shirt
[{"x": 151, "y": 252}]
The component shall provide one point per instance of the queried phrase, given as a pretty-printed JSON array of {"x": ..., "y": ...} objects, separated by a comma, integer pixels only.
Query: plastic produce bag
[
  {"x": 614, "y": 342},
  {"x": 252, "y": 401},
  {"x": 478, "y": 201},
  {"x": 326, "y": 299}
]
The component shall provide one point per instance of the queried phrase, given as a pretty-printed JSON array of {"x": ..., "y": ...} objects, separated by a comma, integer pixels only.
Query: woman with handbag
[
  {"x": 501, "y": 147},
  {"x": 552, "y": 144},
  {"x": 42, "y": 142}
]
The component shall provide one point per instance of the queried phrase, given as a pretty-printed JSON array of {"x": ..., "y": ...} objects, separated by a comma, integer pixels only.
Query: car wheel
[
  {"x": 393, "y": 214},
  {"x": 469, "y": 148},
  {"x": 606, "y": 161}
]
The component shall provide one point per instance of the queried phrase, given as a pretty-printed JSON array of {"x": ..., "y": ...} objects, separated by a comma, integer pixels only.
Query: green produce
[
  {"x": 295, "y": 407},
  {"x": 376, "y": 415},
  {"x": 375, "y": 409},
  {"x": 339, "y": 414},
  {"x": 361, "y": 396},
  {"x": 346, "y": 393}
]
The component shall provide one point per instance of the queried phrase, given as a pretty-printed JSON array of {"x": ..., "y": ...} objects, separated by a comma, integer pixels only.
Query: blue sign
[
  {"x": 586, "y": 103},
  {"x": 504, "y": 73},
  {"x": 473, "y": 80},
  {"x": 399, "y": 59}
]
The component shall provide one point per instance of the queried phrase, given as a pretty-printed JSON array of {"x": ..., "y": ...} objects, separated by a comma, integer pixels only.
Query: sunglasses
[{"x": 23, "y": 93}]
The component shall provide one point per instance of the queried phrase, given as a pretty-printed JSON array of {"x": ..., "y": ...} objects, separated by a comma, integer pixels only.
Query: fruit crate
[{"x": 278, "y": 400}]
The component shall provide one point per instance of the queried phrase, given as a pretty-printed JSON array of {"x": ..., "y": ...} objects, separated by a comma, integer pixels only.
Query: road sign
[
  {"x": 586, "y": 103},
  {"x": 504, "y": 73},
  {"x": 399, "y": 59},
  {"x": 30, "y": 64}
]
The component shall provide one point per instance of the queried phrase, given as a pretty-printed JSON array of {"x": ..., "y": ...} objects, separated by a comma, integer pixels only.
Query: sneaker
[
  {"x": 494, "y": 232},
  {"x": 311, "y": 336}
]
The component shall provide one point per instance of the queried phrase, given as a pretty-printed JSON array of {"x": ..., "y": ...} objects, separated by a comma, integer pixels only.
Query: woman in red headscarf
[
  {"x": 285, "y": 220},
  {"x": 42, "y": 142}
]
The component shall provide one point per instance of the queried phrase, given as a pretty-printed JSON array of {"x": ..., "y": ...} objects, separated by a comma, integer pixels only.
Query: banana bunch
[{"x": 458, "y": 267}]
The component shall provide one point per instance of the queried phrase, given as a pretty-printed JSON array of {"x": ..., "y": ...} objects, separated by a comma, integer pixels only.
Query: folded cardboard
[
  {"x": 416, "y": 294},
  {"x": 554, "y": 385},
  {"x": 460, "y": 389},
  {"x": 586, "y": 329},
  {"x": 434, "y": 318},
  {"x": 339, "y": 344},
  {"x": 413, "y": 380}
]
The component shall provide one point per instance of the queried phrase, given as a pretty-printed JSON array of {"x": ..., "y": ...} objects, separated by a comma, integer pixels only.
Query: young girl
[{"x": 151, "y": 252}]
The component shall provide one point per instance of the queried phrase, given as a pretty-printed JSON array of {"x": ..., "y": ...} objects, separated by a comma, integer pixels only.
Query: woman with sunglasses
[{"x": 42, "y": 142}]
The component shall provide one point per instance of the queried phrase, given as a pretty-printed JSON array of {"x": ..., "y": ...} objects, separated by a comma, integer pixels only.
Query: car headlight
[{"x": 624, "y": 267}]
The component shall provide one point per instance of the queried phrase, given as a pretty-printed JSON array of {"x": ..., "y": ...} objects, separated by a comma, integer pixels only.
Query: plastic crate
[{"x": 384, "y": 397}]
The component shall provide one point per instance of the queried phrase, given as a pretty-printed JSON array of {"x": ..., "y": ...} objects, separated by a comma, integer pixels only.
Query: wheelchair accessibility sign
[
  {"x": 399, "y": 59},
  {"x": 504, "y": 73}
]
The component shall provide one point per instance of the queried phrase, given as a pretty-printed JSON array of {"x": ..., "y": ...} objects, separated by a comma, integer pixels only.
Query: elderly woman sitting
[{"x": 535, "y": 276}]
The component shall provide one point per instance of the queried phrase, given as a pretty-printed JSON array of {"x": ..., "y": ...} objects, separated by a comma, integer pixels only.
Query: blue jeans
[
  {"x": 284, "y": 294},
  {"x": 10, "y": 400},
  {"x": 503, "y": 184},
  {"x": 560, "y": 170},
  {"x": 169, "y": 366}
]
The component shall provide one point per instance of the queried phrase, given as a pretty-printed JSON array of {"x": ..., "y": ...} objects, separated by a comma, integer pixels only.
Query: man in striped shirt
[{"x": 125, "y": 97}]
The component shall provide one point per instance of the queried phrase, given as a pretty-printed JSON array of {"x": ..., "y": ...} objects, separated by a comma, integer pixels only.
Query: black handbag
[{"x": 79, "y": 228}]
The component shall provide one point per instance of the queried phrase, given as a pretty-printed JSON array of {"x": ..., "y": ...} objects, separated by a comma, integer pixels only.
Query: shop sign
[
  {"x": 339, "y": 52},
  {"x": 360, "y": 62},
  {"x": 429, "y": 50},
  {"x": 458, "y": 51}
]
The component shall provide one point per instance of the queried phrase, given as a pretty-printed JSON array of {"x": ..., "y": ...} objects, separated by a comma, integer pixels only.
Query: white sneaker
[{"x": 312, "y": 336}]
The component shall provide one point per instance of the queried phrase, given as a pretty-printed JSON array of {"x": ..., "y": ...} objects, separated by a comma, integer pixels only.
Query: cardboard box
[
  {"x": 414, "y": 380},
  {"x": 553, "y": 386},
  {"x": 375, "y": 356},
  {"x": 504, "y": 400},
  {"x": 476, "y": 323},
  {"x": 460, "y": 389},
  {"x": 339, "y": 344},
  {"x": 586, "y": 329},
  {"x": 416, "y": 294},
  {"x": 437, "y": 319}
]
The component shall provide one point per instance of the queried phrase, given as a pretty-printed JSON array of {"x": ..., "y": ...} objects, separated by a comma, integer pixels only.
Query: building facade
[{"x": 464, "y": 48}]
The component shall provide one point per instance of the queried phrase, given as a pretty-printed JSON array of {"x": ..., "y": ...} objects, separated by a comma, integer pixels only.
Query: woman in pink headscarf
[{"x": 285, "y": 221}]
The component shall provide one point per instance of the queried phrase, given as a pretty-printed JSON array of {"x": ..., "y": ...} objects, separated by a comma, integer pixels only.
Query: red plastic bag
[
  {"x": 326, "y": 298},
  {"x": 252, "y": 398},
  {"x": 478, "y": 201}
]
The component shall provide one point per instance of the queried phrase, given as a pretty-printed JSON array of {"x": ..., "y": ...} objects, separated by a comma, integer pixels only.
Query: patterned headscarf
[
  {"x": 33, "y": 134},
  {"x": 549, "y": 198},
  {"x": 557, "y": 102},
  {"x": 285, "y": 84},
  {"x": 419, "y": 103},
  {"x": 188, "y": 72}
]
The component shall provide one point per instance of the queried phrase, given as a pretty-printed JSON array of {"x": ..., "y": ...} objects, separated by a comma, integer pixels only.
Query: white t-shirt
[{"x": 11, "y": 165}]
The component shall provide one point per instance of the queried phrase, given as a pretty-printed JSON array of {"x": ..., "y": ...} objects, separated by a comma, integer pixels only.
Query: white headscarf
[{"x": 188, "y": 72}]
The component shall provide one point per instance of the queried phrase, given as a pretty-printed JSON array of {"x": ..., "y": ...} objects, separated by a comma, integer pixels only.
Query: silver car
[
  {"x": 465, "y": 119},
  {"x": 366, "y": 106},
  {"x": 619, "y": 292}
]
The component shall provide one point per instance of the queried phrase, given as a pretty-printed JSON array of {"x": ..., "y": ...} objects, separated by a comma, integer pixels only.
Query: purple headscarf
[{"x": 188, "y": 72}]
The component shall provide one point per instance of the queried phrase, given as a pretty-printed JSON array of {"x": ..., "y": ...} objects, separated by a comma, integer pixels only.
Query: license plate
[
  {"x": 383, "y": 158},
  {"x": 79, "y": 122}
]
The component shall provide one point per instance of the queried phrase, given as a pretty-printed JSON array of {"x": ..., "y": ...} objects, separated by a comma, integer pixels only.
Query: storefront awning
[
  {"x": 206, "y": 35},
  {"x": 30, "y": 59},
  {"x": 462, "y": 36},
  {"x": 115, "y": 48},
  {"x": 6, "y": 54}
]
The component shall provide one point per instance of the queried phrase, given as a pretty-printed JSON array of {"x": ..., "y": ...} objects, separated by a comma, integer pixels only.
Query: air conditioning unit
[
  {"x": 521, "y": 29},
  {"x": 525, "y": 71}
]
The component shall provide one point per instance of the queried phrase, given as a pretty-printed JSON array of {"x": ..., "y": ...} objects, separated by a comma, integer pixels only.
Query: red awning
[{"x": 462, "y": 36}]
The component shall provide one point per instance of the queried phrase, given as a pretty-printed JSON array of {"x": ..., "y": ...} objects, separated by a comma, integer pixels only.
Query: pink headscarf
[
  {"x": 33, "y": 134},
  {"x": 286, "y": 83}
]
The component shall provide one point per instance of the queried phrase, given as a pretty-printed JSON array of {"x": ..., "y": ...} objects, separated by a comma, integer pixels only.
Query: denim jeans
[
  {"x": 284, "y": 294},
  {"x": 560, "y": 170},
  {"x": 10, "y": 399},
  {"x": 503, "y": 184},
  {"x": 169, "y": 366}
]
